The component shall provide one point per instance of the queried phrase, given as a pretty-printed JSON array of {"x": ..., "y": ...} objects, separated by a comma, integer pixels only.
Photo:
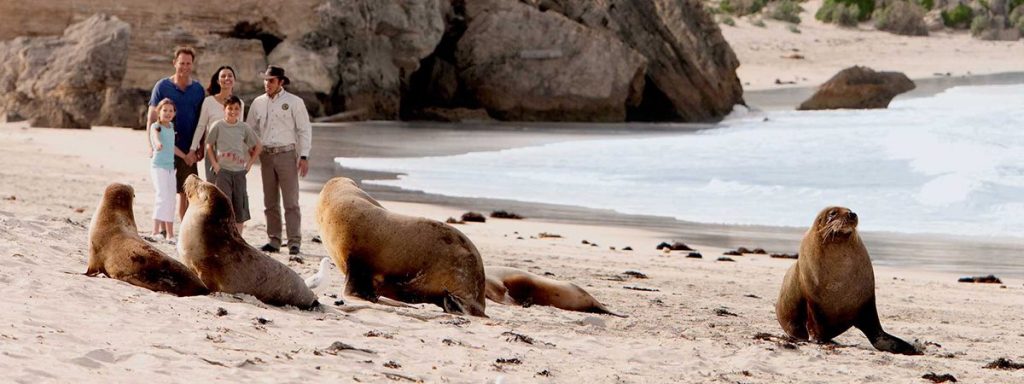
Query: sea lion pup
[
  {"x": 831, "y": 287},
  {"x": 116, "y": 250},
  {"x": 388, "y": 255},
  {"x": 211, "y": 245},
  {"x": 518, "y": 287}
]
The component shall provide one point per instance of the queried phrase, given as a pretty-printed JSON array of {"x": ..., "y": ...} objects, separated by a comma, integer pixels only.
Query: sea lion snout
[{"x": 191, "y": 185}]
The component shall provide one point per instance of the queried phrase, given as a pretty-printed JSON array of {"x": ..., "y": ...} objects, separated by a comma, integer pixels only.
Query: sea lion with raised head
[
  {"x": 831, "y": 287},
  {"x": 117, "y": 250},
  {"x": 388, "y": 255},
  {"x": 513, "y": 286},
  {"x": 211, "y": 245}
]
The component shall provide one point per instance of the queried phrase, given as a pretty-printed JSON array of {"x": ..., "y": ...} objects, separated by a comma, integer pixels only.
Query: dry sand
[
  {"x": 766, "y": 53},
  {"x": 60, "y": 326}
]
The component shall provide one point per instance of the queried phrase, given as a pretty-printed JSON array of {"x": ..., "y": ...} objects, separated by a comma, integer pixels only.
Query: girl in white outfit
[{"x": 162, "y": 171}]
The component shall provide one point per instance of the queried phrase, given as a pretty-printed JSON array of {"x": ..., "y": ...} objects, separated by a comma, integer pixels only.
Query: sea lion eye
[{"x": 831, "y": 214}]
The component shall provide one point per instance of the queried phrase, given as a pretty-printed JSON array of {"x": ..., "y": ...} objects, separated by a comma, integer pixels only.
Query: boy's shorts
[
  {"x": 181, "y": 172},
  {"x": 232, "y": 183}
]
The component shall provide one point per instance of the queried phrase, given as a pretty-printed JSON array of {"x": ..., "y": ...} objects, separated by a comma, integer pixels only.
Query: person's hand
[
  {"x": 190, "y": 158},
  {"x": 150, "y": 152},
  {"x": 248, "y": 167},
  {"x": 303, "y": 167},
  {"x": 199, "y": 155},
  {"x": 159, "y": 146},
  {"x": 216, "y": 168}
]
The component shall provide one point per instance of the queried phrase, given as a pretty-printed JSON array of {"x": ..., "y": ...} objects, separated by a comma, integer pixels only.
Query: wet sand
[{"x": 940, "y": 253}]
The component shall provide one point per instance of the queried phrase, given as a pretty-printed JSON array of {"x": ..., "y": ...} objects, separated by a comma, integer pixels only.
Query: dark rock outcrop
[
  {"x": 63, "y": 81},
  {"x": 124, "y": 107},
  {"x": 691, "y": 70},
  {"x": 858, "y": 88},
  {"x": 377, "y": 46},
  {"x": 523, "y": 64}
]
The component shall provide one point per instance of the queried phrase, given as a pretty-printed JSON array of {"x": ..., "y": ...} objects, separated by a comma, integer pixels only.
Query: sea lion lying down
[
  {"x": 117, "y": 250},
  {"x": 831, "y": 287},
  {"x": 518, "y": 287},
  {"x": 211, "y": 245},
  {"x": 388, "y": 255}
]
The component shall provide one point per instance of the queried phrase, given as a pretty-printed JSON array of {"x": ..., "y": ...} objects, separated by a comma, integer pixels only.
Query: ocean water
[{"x": 952, "y": 163}]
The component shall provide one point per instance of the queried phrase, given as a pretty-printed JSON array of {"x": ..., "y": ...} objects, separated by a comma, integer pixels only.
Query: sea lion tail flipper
[
  {"x": 454, "y": 304},
  {"x": 867, "y": 322},
  {"x": 94, "y": 270},
  {"x": 600, "y": 308},
  {"x": 889, "y": 343},
  {"x": 392, "y": 303}
]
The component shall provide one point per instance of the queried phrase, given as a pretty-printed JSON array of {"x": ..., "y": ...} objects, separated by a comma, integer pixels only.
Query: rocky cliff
[{"x": 562, "y": 60}]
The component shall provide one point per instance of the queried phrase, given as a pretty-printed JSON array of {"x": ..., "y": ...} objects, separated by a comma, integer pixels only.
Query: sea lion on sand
[
  {"x": 831, "y": 287},
  {"x": 116, "y": 250},
  {"x": 387, "y": 255},
  {"x": 517, "y": 287},
  {"x": 211, "y": 245}
]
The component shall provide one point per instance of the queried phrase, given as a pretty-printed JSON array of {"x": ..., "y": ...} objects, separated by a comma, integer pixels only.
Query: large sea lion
[
  {"x": 211, "y": 245},
  {"x": 507, "y": 285},
  {"x": 387, "y": 255},
  {"x": 116, "y": 250},
  {"x": 831, "y": 287}
]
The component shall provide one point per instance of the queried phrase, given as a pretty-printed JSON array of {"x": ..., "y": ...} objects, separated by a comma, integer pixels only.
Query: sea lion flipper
[
  {"x": 92, "y": 271},
  {"x": 791, "y": 308},
  {"x": 867, "y": 321},
  {"x": 452, "y": 304},
  {"x": 601, "y": 309},
  {"x": 391, "y": 303}
]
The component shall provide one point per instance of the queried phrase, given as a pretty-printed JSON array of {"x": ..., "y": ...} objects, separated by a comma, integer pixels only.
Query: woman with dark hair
[{"x": 222, "y": 86}]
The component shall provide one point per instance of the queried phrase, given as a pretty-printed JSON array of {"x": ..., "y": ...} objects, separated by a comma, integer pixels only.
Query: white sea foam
[{"x": 952, "y": 163}]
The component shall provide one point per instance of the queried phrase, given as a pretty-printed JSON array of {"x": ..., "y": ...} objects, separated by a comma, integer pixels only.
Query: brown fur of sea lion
[
  {"x": 211, "y": 245},
  {"x": 831, "y": 287},
  {"x": 513, "y": 286},
  {"x": 388, "y": 255},
  {"x": 116, "y": 250}
]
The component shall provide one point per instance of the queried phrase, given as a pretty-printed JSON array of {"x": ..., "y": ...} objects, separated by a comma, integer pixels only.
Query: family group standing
[{"x": 186, "y": 125}]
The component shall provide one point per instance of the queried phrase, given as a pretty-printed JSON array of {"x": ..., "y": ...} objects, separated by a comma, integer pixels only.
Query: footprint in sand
[{"x": 95, "y": 359}]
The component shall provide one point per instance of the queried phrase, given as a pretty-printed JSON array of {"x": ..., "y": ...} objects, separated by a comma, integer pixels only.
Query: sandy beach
[
  {"x": 690, "y": 320},
  {"x": 820, "y": 50},
  {"x": 697, "y": 323}
]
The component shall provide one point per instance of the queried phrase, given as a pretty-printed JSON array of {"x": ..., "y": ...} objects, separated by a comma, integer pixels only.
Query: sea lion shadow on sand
[
  {"x": 513, "y": 286},
  {"x": 831, "y": 287},
  {"x": 116, "y": 249},
  {"x": 212, "y": 247},
  {"x": 384, "y": 255}
]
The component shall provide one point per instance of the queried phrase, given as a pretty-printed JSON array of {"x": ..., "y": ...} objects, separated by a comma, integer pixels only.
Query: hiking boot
[
  {"x": 270, "y": 248},
  {"x": 293, "y": 249}
]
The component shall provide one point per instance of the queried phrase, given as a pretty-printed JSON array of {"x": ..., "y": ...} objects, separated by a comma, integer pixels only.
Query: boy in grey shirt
[{"x": 233, "y": 147}]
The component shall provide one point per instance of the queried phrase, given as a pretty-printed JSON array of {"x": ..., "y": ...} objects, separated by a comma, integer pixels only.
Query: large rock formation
[
  {"x": 691, "y": 72},
  {"x": 522, "y": 64},
  {"x": 379, "y": 46},
  {"x": 63, "y": 81},
  {"x": 858, "y": 88},
  {"x": 161, "y": 25},
  {"x": 532, "y": 59}
]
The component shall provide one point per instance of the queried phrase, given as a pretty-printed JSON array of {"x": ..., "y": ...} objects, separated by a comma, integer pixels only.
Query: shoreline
[
  {"x": 954, "y": 255},
  {"x": 788, "y": 98}
]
